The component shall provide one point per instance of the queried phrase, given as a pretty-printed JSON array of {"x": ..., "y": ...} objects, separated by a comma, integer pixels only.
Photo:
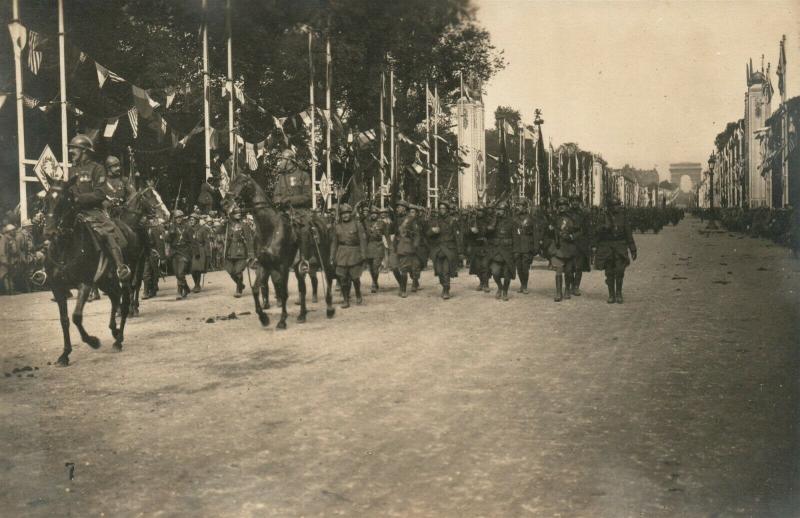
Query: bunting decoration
[
  {"x": 103, "y": 73},
  {"x": 111, "y": 127},
  {"x": 250, "y": 156}
]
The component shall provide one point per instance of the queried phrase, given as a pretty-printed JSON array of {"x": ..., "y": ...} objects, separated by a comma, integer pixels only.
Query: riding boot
[
  {"x": 414, "y": 282},
  {"x": 619, "y": 289},
  {"x": 576, "y": 283},
  {"x": 446, "y": 289},
  {"x": 612, "y": 295},
  {"x": 403, "y": 284},
  {"x": 443, "y": 282},
  {"x": 357, "y": 287},
  {"x": 346, "y": 294},
  {"x": 374, "y": 287},
  {"x": 499, "y": 294},
  {"x": 559, "y": 288},
  {"x": 196, "y": 279},
  {"x": 123, "y": 272},
  {"x": 239, "y": 285},
  {"x": 506, "y": 285},
  {"x": 480, "y": 283},
  {"x": 567, "y": 285}
]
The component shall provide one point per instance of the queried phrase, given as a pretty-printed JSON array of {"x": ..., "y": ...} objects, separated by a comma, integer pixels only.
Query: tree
[{"x": 509, "y": 114}]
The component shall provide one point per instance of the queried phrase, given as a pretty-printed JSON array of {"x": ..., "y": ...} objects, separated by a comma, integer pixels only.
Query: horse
[
  {"x": 277, "y": 250},
  {"x": 74, "y": 259},
  {"x": 144, "y": 202}
]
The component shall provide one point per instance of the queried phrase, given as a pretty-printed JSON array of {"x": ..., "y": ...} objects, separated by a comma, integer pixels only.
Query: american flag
[
  {"x": 34, "y": 56},
  {"x": 133, "y": 118}
]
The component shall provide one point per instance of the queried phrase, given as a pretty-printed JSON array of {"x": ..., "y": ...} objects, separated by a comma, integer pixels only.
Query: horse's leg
[
  {"x": 261, "y": 281},
  {"x": 136, "y": 285},
  {"x": 282, "y": 287},
  {"x": 112, "y": 321},
  {"x": 265, "y": 290},
  {"x": 301, "y": 288},
  {"x": 77, "y": 316},
  {"x": 314, "y": 285},
  {"x": 61, "y": 298},
  {"x": 125, "y": 304}
]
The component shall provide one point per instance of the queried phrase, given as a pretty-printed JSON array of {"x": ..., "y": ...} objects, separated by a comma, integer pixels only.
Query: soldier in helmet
[
  {"x": 118, "y": 190},
  {"x": 562, "y": 249},
  {"x": 614, "y": 243},
  {"x": 239, "y": 251},
  {"x": 477, "y": 244},
  {"x": 348, "y": 253},
  {"x": 152, "y": 267},
  {"x": 180, "y": 239},
  {"x": 525, "y": 243},
  {"x": 501, "y": 249},
  {"x": 377, "y": 243},
  {"x": 407, "y": 239},
  {"x": 444, "y": 237},
  {"x": 89, "y": 195},
  {"x": 583, "y": 247}
]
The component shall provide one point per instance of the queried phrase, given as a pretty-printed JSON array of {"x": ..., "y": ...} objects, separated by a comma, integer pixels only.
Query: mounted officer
[
  {"x": 89, "y": 193},
  {"x": 293, "y": 193}
]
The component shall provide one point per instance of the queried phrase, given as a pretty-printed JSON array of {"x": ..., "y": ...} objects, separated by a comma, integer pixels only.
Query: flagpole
[
  {"x": 206, "y": 103},
  {"x": 23, "y": 191},
  {"x": 381, "y": 130},
  {"x": 428, "y": 141},
  {"x": 231, "y": 136},
  {"x": 391, "y": 125},
  {"x": 784, "y": 127},
  {"x": 328, "y": 79},
  {"x": 436, "y": 147},
  {"x": 313, "y": 144},
  {"x": 62, "y": 80}
]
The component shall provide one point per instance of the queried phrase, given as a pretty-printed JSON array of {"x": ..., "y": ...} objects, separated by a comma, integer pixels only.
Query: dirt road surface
[{"x": 681, "y": 402}]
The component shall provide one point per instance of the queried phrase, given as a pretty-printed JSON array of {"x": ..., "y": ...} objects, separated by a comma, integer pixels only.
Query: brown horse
[
  {"x": 75, "y": 260},
  {"x": 277, "y": 250}
]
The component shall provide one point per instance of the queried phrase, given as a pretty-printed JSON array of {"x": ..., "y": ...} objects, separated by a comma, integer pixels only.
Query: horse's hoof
[
  {"x": 330, "y": 312},
  {"x": 115, "y": 333},
  {"x": 117, "y": 347},
  {"x": 301, "y": 319},
  {"x": 264, "y": 319},
  {"x": 93, "y": 342},
  {"x": 281, "y": 325},
  {"x": 63, "y": 361}
]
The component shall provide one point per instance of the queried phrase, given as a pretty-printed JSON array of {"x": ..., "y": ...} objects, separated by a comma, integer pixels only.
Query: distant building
[
  {"x": 757, "y": 109},
  {"x": 692, "y": 170}
]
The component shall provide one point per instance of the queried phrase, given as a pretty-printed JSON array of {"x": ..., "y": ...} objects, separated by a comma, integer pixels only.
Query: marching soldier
[
  {"x": 181, "y": 243},
  {"x": 152, "y": 266},
  {"x": 89, "y": 195},
  {"x": 199, "y": 248},
  {"x": 583, "y": 244},
  {"x": 407, "y": 240},
  {"x": 348, "y": 253},
  {"x": 7, "y": 253},
  {"x": 240, "y": 250},
  {"x": 377, "y": 245},
  {"x": 525, "y": 244},
  {"x": 118, "y": 190},
  {"x": 478, "y": 249},
  {"x": 614, "y": 242},
  {"x": 562, "y": 249},
  {"x": 501, "y": 250},
  {"x": 444, "y": 237}
]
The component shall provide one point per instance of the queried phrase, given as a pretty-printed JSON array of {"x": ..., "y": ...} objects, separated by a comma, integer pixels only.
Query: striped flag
[
  {"x": 34, "y": 56},
  {"x": 250, "y": 155},
  {"x": 133, "y": 118}
]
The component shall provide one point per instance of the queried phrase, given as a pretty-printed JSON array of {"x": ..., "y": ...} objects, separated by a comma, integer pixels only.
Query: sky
[{"x": 645, "y": 83}]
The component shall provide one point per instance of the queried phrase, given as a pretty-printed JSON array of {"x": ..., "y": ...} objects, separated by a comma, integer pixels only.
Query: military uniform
[
  {"x": 199, "y": 254},
  {"x": 377, "y": 245},
  {"x": 444, "y": 238},
  {"x": 583, "y": 246},
  {"x": 152, "y": 266},
  {"x": 239, "y": 251},
  {"x": 477, "y": 243},
  {"x": 614, "y": 242},
  {"x": 348, "y": 253},
  {"x": 293, "y": 190},
  {"x": 407, "y": 240},
  {"x": 501, "y": 251},
  {"x": 562, "y": 250},
  {"x": 525, "y": 246},
  {"x": 118, "y": 191},
  {"x": 181, "y": 239},
  {"x": 89, "y": 194}
]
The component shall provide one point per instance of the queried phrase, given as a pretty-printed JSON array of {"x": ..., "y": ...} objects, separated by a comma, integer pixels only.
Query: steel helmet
[
  {"x": 82, "y": 141},
  {"x": 9, "y": 228},
  {"x": 111, "y": 160}
]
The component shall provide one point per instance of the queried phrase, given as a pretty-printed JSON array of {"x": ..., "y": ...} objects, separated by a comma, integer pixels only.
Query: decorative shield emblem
[
  {"x": 325, "y": 186},
  {"x": 48, "y": 167}
]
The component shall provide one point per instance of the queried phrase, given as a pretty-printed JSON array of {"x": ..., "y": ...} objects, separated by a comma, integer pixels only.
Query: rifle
[{"x": 178, "y": 197}]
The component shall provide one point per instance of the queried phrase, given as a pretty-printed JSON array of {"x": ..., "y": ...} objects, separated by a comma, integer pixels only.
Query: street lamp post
[{"x": 712, "y": 224}]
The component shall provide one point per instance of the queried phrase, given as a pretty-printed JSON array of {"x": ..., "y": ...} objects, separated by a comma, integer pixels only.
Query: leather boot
[
  {"x": 567, "y": 286},
  {"x": 357, "y": 287},
  {"x": 506, "y": 285},
  {"x": 403, "y": 285},
  {"x": 414, "y": 283},
  {"x": 619, "y": 289},
  {"x": 576, "y": 283},
  {"x": 612, "y": 295},
  {"x": 123, "y": 272},
  {"x": 559, "y": 288},
  {"x": 346, "y": 294}
]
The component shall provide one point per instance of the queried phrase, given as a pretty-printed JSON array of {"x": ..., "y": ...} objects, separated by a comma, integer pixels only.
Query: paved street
[{"x": 681, "y": 402}]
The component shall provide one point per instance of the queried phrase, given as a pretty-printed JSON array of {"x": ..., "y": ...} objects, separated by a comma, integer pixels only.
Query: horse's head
[
  {"x": 153, "y": 204},
  {"x": 56, "y": 203},
  {"x": 241, "y": 187}
]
